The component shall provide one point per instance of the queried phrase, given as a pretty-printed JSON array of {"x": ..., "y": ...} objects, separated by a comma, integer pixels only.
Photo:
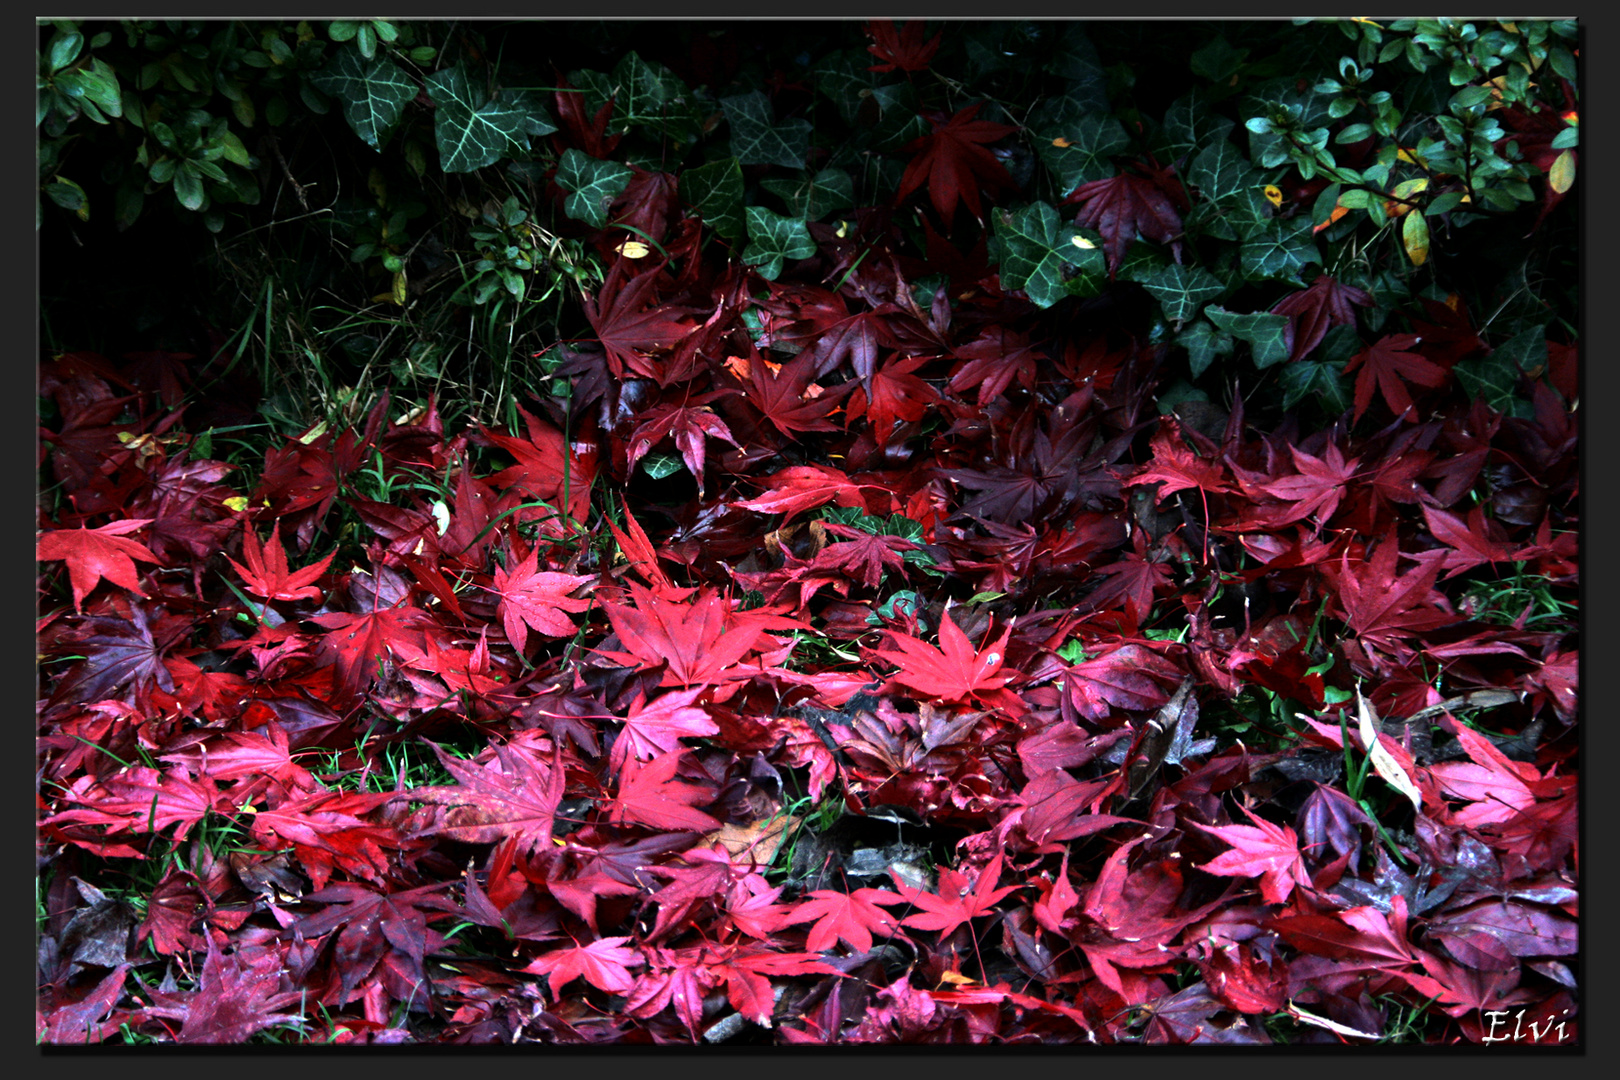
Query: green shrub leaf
[
  {"x": 591, "y": 184},
  {"x": 814, "y": 197}
]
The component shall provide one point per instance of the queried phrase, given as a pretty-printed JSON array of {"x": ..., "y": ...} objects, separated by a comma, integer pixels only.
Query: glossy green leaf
[
  {"x": 1267, "y": 334},
  {"x": 1077, "y": 147},
  {"x": 1319, "y": 380},
  {"x": 1204, "y": 343},
  {"x": 591, "y": 186},
  {"x": 773, "y": 239},
  {"x": 1279, "y": 251},
  {"x": 654, "y": 97},
  {"x": 715, "y": 191},
  {"x": 1183, "y": 290},
  {"x": 373, "y": 93},
  {"x": 813, "y": 197},
  {"x": 472, "y": 129},
  {"x": 756, "y": 139},
  {"x": 1038, "y": 252}
]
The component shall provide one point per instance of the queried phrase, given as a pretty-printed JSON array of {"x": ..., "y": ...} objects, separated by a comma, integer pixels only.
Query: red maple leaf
[
  {"x": 849, "y": 917},
  {"x": 788, "y": 397},
  {"x": 1477, "y": 540},
  {"x": 1388, "y": 366},
  {"x": 513, "y": 796},
  {"x": 1122, "y": 208},
  {"x": 1315, "y": 489},
  {"x": 994, "y": 360},
  {"x": 546, "y": 469},
  {"x": 1383, "y": 607},
  {"x": 657, "y": 728},
  {"x": 531, "y": 597},
  {"x": 893, "y": 394},
  {"x": 863, "y": 554},
  {"x": 385, "y": 936},
  {"x": 952, "y": 162},
  {"x": 649, "y": 796},
  {"x": 93, "y": 554},
  {"x": 699, "y": 641},
  {"x": 804, "y": 487},
  {"x": 1314, "y": 311},
  {"x": 267, "y": 573},
  {"x": 903, "y": 49},
  {"x": 236, "y": 995},
  {"x": 954, "y": 671},
  {"x": 604, "y": 963},
  {"x": 956, "y": 900},
  {"x": 631, "y": 324},
  {"x": 1262, "y": 850},
  {"x": 689, "y": 424},
  {"x": 1177, "y": 466},
  {"x": 359, "y": 642}
]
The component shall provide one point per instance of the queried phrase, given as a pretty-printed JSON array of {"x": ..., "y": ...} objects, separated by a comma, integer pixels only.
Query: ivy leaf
[
  {"x": 1319, "y": 379},
  {"x": 1279, "y": 250},
  {"x": 654, "y": 97},
  {"x": 1203, "y": 344},
  {"x": 1076, "y": 145},
  {"x": 1183, "y": 290},
  {"x": 473, "y": 129},
  {"x": 816, "y": 196},
  {"x": 756, "y": 139},
  {"x": 1036, "y": 246},
  {"x": 373, "y": 92},
  {"x": 715, "y": 191},
  {"x": 773, "y": 239},
  {"x": 1189, "y": 124},
  {"x": 1267, "y": 334},
  {"x": 591, "y": 185}
]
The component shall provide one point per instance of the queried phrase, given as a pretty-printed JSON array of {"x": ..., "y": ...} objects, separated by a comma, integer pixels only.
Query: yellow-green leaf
[
  {"x": 1561, "y": 177},
  {"x": 1415, "y": 238}
]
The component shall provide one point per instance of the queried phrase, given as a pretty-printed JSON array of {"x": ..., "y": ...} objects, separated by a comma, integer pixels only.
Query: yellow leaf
[
  {"x": 1061, "y": 142},
  {"x": 1411, "y": 157},
  {"x": 1383, "y": 762},
  {"x": 237, "y": 503},
  {"x": 1415, "y": 238},
  {"x": 398, "y": 294},
  {"x": 633, "y": 249},
  {"x": 1273, "y": 194},
  {"x": 1561, "y": 177},
  {"x": 1081, "y": 242}
]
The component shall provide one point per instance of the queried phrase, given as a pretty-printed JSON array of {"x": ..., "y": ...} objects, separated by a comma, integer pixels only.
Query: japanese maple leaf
[
  {"x": 546, "y": 468},
  {"x": 327, "y": 833},
  {"x": 1314, "y": 311},
  {"x": 1382, "y": 606},
  {"x": 1262, "y": 850},
  {"x": 515, "y": 795},
  {"x": 1388, "y": 366},
  {"x": 657, "y": 728},
  {"x": 1315, "y": 489},
  {"x": 1475, "y": 541},
  {"x": 87, "y": 1019},
  {"x": 706, "y": 873},
  {"x": 951, "y": 162},
  {"x": 120, "y": 653},
  {"x": 893, "y": 394},
  {"x": 384, "y": 936},
  {"x": 267, "y": 573},
  {"x": 236, "y": 755},
  {"x": 699, "y": 641},
  {"x": 689, "y": 425},
  {"x": 538, "y": 599},
  {"x": 804, "y": 487},
  {"x": 1131, "y": 581},
  {"x": 631, "y": 323},
  {"x": 744, "y": 968},
  {"x": 604, "y": 963},
  {"x": 903, "y": 48},
  {"x": 787, "y": 399},
  {"x": 359, "y": 641},
  {"x": 236, "y": 995},
  {"x": 957, "y": 900},
  {"x": 954, "y": 671},
  {"x": 93, "y": 554},
  {"x": 850, "y": 917},
  {"x": 994, "y": 360},
  {"x": 1177, "y": 466},
  {"x": 141, "y": 799},
  {"x": 1122, "y": 208},
  {"x": 648, "y": 795},
  {"x": 863, "y": 553}
]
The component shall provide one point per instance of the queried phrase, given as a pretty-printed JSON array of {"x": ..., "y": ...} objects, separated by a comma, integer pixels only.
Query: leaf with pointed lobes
[
  {"x": 637, "y": 549},
  {"x": 604, "y": 963},
  {"x": 547, "y": 469},
  {"x": 538, "y": 599},
  {"x": 957, "y": 900},
  {"x": 1122, "y": 208},
  {"x": 951, "y": 162},
  {"x": 954, "y": 671},
  {"x": 93, "y": 554},
  {"x": 267, "y": 573},
  {"x": 700, "y": 641},
  {"x": 649, "y": 795},
  {"x": 657, "y": 728},
  {"x": 689, "y": 425},
  {"x": 1314, "y": 311},
  {"x": 903, "y": 48},
  {"x": 516, "y": 795},
  {"x": 1387, "y": 366},
  {"x": 1262, "y": 850},
  {"x": 849, "y": 917}
]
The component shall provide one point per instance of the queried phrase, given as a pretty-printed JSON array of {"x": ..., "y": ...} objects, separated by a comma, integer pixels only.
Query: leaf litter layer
[{"x": 827, "y": 659}]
